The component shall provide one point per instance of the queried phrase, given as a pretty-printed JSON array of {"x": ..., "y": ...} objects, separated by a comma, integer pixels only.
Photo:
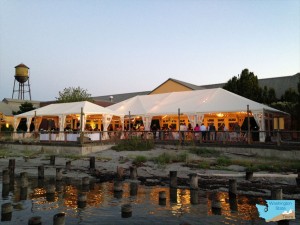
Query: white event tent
[
  {"x": 194, "y": 104},
  {"x": 62, "y": 110}
]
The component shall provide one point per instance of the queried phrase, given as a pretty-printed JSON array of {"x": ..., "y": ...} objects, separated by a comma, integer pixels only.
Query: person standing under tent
[{"x": 212, "y": 132}]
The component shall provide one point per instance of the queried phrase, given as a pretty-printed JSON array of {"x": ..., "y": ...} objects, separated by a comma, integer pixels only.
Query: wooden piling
[
  {"x": 50, "y": 193},
  {"x": 120, "y": 172},
  {"x": 24, "y": 180},
  {"x": 85, "y": 184},
  {"x": 41, "y": 172},
  {"x": 133, "y": 188},
  {"x": 162, "y": 199},
  {"x": 59, "y": 175},
  {"x": 133, "y": 172},
  {"x": 11, "y": 167},
  {"x": 232, "y": 188},
  {"x": 194, "y": 196},
  {"x": 126, "y": 211},
  {"x": 5, "y": 177},
  {"x": 68, "y": 165},
  {"x": 81, "y": 201},
  {"x": 6, "y": 212},
  {"x": 276, "y": 194},
  {"x": 59, "y": 219},
  {"x": 216, "y": 206},
  {"x": 36, "y": 220},
  {"x": 173, "y": 179},
  {"x": 92, "y": 162},
  {"x": 52, "y": 160},
  {"x": 193, "y": 181},
  {"x": 249, "y": 175}
]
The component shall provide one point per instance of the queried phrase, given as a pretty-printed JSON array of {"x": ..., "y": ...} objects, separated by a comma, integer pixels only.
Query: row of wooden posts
[{"x": 126, "y": 209}]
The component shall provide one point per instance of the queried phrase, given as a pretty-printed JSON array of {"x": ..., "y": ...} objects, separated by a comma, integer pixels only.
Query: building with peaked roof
[{"x": 280, "y": 85}]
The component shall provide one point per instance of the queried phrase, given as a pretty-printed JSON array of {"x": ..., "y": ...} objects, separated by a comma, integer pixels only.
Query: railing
[{"x": 276, "y": 137}]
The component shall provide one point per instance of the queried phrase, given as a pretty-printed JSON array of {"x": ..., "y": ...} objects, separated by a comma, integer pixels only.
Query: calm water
[{"x": 104, "y": 206}]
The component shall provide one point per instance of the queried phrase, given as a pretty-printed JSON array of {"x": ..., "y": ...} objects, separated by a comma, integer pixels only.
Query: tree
[
  {"x": 24, "y": 107},
  {"x": 246, "y": 85},
  {"x": 72, "y": 94}
]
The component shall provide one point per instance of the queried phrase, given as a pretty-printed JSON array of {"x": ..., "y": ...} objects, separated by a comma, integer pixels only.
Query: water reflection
[{"x": 91, "y": 202}]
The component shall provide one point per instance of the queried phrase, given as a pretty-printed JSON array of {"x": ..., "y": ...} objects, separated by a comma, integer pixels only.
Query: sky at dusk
[{"x": 118, "y": 46}]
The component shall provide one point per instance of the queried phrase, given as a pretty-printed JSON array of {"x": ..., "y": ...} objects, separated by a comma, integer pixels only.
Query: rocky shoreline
[{"x": 150, "y": 174}]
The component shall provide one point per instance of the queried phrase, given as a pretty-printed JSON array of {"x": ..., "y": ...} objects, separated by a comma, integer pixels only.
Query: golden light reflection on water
[
  {"x": 246, "y": 209},
  {"x": 178, "y": 201}
]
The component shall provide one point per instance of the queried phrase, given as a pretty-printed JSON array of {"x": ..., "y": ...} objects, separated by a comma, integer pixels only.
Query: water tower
[{"x": 22, "y": 77}]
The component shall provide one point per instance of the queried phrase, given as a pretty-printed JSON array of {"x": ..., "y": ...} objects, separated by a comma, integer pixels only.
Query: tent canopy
[
  {"x": 190, "y": 102},
  {"x": 68, "y": 109},
  {"x": 62, "y": 110}
]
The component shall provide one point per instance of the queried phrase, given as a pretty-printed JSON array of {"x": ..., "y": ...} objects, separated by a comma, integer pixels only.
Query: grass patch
[
  {"x": 139, "y": 160},
  {"x": 224, "y": 161},
  {"x": 166, "y": 158},
  {"x": 134, "y": 144},
  {"x": 203, "y": 165},
  {"x": 204, "y": 152}
]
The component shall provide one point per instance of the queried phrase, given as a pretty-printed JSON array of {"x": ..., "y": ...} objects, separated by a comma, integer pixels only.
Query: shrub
[
  {"x": 203, "y": 165},
  {"x": 134, "y": 144},
  {"x": 204, "y": 152},
  {"x": 139, "y": 159},
  {"x": 163, "y": 159},
  {"x": 223, "y": 161}
]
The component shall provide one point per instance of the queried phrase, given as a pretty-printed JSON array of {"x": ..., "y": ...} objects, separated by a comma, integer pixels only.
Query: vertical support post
[
  {"x": 36, "y": 220},
  {"x": 126, "y": 211},
  {"x": 129, "y": 124},
  {"x": 59, "y": 175},
  {"x": 59, "y": 219},
  {"x": 52, "y": 160},
  {"x": 276, "y": 194},
  {"x": 193, "y": 181},
  {"x": 194, "y": 196},
  {"x": 68, "y": 165},
  {"x": 81, "y": 201},
  {"x": 11, "y": 167},
  {"x": 133, "y": 188},
  {"x": 50, "y": 193},
  {"x": 41, "y": 172},
  {"x": 249, "y": 175},
  {"x": 278, "y": 134},
  {"x": 92, "y": 162},
  {"x": 81, "y": 126},
  {"x": 248, "y": 125},
  {"x": 24, "y": 180},
  {"x": 6, "y": 211},
  {"x": 162, "y": 198},
  {"x": 120, "y": 172},
  {"x": 173, "y": 179},
  {"x": 179, "y": 135},
  {"x": 133, "y": 172},
  {"x": 232, "y": 188}
]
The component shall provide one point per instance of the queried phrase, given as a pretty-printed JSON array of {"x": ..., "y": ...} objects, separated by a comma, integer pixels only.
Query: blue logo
[{"x": 276, "y": 210}]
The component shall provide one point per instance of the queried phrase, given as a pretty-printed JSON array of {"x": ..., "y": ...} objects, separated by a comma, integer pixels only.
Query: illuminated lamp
[{"x": 220, "y": 114}]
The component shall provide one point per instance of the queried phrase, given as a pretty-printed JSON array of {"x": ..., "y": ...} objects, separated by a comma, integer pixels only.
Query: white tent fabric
[
  {"x": 63, "y": 109},
  {"x": 194, "y": 104},
  {"x": 190, "y": 103}
]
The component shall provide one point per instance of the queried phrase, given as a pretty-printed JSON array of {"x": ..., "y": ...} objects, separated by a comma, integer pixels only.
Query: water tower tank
[{"x": 21, "y": 73}]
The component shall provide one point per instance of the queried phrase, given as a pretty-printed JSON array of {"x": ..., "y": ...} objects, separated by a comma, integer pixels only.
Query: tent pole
[
  {"x": 248, "y": 125},
  {"x": 81, "y": 127},
  {"x": 179, "y": 124},
  {"x": 129, "y": 128}
]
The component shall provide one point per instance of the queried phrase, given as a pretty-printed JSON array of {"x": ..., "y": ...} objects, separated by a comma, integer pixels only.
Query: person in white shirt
[{"x": 203, "y": 131}]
